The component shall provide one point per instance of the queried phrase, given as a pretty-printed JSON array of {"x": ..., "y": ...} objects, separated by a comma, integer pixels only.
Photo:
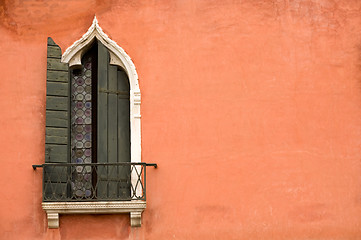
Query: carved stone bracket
[{"x": 53, "y": 209}]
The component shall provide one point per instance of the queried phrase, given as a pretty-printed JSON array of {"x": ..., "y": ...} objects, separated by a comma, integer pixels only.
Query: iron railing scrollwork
[{"x": 94, "y": 181}]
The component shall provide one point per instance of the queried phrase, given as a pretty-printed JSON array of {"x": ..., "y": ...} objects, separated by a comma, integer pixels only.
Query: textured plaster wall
[{"x": 252, "y": 109}]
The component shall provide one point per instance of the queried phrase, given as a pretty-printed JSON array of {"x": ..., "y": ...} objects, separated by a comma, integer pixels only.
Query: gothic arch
[{"x": 119, "y": 57}]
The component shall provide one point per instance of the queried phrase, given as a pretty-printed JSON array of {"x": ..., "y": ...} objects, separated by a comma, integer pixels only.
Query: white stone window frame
[{"x": 119, "y": 57}]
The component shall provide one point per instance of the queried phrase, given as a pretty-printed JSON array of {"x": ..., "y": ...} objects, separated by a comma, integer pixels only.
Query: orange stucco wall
[{"x": 252, "y": 109}]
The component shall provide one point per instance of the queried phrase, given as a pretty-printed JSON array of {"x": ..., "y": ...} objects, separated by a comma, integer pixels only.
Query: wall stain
[
  {"x": 5, "y": 20},
  {"x": 309, "y": 213},
  {"x": 28, "y": 18},
  {"x": 213, "y": 213}
]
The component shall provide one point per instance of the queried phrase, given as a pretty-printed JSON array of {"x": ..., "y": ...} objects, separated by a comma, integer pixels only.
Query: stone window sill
[{"x": 134, "y": 207}]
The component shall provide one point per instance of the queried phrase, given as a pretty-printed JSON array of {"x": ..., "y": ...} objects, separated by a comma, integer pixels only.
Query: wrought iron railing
[{"x": 94, "y": 181}]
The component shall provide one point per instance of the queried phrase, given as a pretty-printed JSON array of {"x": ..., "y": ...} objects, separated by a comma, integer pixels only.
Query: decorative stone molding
[
  {"x": 134, "y": 207},
  {"x": 136, "y": 96},
  {"x": 118, "y": 56}
]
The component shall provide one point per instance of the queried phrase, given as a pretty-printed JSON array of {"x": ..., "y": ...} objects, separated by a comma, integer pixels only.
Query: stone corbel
[
  {"x": 53, "y": 219},
  {"x": 135, "y": 219}
]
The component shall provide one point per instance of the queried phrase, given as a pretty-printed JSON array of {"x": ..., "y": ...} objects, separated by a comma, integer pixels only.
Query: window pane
[{"x": 81, "y": 128}]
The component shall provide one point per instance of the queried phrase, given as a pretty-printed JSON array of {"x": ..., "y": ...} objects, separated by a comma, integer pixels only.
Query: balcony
[{"x": 94, "y": 188}]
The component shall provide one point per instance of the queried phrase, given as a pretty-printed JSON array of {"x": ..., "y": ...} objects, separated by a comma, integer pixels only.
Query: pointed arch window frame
[{"x": 119, "y": 57}]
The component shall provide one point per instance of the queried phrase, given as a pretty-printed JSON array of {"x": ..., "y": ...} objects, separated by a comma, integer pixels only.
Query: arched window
[
  {"x": 116, "y": 57},
  {"x": 100, "y": 126},
  {"x": 93, "y": 153}
]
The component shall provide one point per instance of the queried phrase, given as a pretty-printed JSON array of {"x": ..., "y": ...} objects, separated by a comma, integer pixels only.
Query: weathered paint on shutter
[
  {"x": 113, "y": 127},
  {"x": 57, "y": 121}
]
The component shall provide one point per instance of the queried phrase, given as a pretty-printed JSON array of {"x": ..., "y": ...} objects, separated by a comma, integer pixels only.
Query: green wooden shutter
[
  {"x": 113, "y": 127},
  {"x": 57, "y": 118},
  {"x": 102, "y": 123},
  {"x": 123, "y": 132}
]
